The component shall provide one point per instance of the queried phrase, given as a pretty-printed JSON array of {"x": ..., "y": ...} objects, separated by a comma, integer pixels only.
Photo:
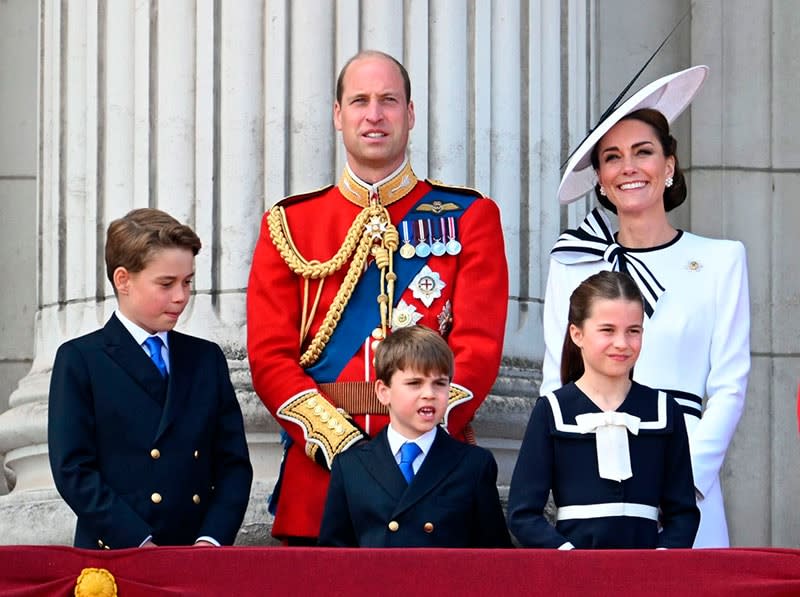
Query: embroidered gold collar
[{"x": 390, "y": 189}]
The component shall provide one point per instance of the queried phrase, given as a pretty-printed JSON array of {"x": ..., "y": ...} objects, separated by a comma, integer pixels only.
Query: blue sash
[{"x": 362, "y": 314}]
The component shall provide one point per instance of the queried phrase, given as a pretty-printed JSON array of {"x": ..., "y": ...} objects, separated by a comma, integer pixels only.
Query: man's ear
[
  {"x": 337, "y": 116},
  {"x": 122, "y": 280},
  {"x": 382, "y": 391}
]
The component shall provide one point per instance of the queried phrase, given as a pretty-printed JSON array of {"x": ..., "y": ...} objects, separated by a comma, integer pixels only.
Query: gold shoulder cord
[{"x": 372, "y": 232}]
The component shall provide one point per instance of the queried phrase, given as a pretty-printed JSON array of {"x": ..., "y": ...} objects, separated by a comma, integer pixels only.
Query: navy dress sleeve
[{"x": 531, "y": 483}]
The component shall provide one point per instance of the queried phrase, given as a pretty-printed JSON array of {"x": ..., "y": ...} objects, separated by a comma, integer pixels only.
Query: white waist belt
[{"x": 605, "y": 510}]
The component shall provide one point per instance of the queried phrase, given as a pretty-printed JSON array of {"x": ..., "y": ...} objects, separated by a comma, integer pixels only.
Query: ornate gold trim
[
  {"x": 372, "y": 232},
  {"x": 95, "y": 582},
  {"x": 324, "y": 426},
  {"x": 458, "y": 395},
  {"x": 390, "y": 190}
]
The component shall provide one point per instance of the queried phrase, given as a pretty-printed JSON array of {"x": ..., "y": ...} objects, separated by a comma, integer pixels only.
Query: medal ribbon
[{"x": 360, "y": 316}]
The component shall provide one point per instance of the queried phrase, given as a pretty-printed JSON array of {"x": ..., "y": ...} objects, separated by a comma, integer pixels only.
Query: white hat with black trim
[{"x": 670, "y": 95}]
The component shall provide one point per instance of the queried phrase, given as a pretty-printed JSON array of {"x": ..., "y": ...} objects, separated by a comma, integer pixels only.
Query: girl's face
[
  {"x": 632, "y": 167},
  {"x": 610, "y": 339}
]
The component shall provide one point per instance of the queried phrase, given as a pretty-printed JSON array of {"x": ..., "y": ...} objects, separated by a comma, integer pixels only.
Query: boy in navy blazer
[
  {"x": 145, "y": 434},
  {"x": 413, "y": 485}
]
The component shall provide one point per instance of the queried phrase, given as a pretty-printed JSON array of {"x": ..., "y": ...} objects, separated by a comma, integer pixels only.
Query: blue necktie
[
  {"x": 154, "y": 345},
  {"x": 408, "y": 452}
]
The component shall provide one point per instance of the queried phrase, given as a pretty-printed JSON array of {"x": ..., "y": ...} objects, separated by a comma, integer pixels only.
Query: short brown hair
[
  {"x": 132, "y": 239},
  {"x": 373, "y": 54},
  {"x": 415, "y": 347}
]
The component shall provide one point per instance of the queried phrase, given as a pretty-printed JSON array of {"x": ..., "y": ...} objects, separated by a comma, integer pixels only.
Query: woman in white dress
[{"x": 697, "y": 324}]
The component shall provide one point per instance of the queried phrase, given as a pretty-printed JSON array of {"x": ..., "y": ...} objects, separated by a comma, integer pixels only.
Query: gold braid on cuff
[{"x": 325, "y": 427}]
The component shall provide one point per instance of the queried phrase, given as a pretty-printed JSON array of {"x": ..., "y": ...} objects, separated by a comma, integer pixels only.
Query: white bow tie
[{"x": 611, "y": 437}]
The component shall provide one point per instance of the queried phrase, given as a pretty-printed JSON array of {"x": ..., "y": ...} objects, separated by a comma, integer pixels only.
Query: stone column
[
  {"x": 746, "y": 158},
  {"x": 739, "y": 144},
  {"x": 143, "y": 104},
  {"x": 214, "y": 110}
]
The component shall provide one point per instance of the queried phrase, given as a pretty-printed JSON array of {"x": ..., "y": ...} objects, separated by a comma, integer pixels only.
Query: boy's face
[
  {"x": 155, "y": 297},
  {"x": 416, "y": 401}
]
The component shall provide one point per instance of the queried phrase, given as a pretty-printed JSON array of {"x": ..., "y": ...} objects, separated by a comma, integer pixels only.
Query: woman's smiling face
[{"x": 632, "y": 168}]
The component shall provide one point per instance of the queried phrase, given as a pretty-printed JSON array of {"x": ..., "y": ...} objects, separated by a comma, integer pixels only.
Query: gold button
[
  {"x": 394, "y": 526},
  {"x": 311, "y": 402},
  {"x": 196, "y": 498},
  {"x": 100, "y": 543},
  {"x": 377, "y": 333},
  {"x": 428, "y": 527},
  {"x": 324, "y": 417},
  {"x": 196, "y": 454},
  {"x": 156, "y": 498},
  {"x": 155, "y": 454},
  {"x": 106, "y": 547}
]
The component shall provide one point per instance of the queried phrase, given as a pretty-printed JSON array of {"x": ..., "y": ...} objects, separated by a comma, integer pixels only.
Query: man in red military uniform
[{"x": 336, "y": 270}]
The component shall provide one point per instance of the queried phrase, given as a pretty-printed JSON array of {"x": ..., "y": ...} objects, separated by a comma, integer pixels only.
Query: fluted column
[
  {"x": 215, "y": 110},
  {"x": 745, "y": 175},
  {"x": 157, "y": 104}
]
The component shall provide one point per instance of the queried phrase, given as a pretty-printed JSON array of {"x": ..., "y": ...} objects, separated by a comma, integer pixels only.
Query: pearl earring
[
  {"x": 602, "y": 191},
  {"x": 668, "y": 182}
]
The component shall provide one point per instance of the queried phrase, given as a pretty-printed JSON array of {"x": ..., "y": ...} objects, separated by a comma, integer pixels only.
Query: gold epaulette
[
  {"x": 371, "y": 233},
  {"x": 455, "y": 188},
  {"x": 292, "y": 199},
  {"x": 458, "y": 395}
]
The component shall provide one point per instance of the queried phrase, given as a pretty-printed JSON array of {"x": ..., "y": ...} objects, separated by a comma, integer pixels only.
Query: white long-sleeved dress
[{"x": 696, "y": 341}]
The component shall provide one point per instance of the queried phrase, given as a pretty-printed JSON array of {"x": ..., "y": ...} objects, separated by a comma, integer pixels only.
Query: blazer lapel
[
  {"x": 443, "y": 457},
  {"x": 381, "y": 465},
  {"x": 123, "y": 350}
]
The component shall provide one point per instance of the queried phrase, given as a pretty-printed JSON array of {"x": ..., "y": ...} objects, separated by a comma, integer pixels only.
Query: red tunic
[{"x": 476, "y": 286}]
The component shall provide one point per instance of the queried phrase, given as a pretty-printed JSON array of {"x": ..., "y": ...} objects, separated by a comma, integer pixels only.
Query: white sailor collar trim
[{"x": 558, "y": 418}]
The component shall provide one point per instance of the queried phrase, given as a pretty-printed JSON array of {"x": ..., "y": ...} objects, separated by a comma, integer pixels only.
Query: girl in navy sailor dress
[{"x": 614, "y": 453}]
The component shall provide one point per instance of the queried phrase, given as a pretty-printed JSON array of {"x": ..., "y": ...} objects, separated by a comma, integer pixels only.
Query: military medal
[
  {"x": 427, "y": 286},
  {"x": 453, "y": 247},
  {"x": 404, "y": 315},
  {"x": 407, "y": 250},
  {"x": 445, "y": 319},
  {"x": 437, "y": 247},
  {"x": 423, "y": 248}
]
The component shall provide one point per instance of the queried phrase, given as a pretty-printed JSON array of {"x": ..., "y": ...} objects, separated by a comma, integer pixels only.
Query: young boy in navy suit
[
  {"x": 413, "y": 485},
  {"x": 146, "y": 437}
]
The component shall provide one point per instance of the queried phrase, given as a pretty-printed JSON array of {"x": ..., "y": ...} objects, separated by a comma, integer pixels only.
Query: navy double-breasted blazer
[
  {"x": 135, "y": 455},
  {"x": 452, "y": 501}
]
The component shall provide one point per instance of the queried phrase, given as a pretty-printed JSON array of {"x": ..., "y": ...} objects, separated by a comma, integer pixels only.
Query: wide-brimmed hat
[{"x": 670, "y": 95}]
